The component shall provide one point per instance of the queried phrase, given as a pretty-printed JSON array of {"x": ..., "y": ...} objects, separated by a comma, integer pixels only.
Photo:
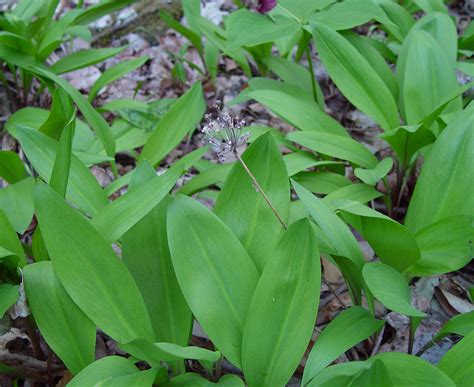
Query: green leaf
[
  {"x": 344, "y": 148},
  {"x": 294, "y": 74},
  {"x": 445, "y": 246},
  {"x": 96, "y": 121},
  {"x": 245, "y": 211},
  {"x": 116, "y": 218},
  {"x": 393, "y": 243},
  {"x": 322, "y": 182},
  {"x": 403, "y": 369},
  {"x": 339, "y": 235},
  {"x": 84, "y": 58},
  {"x": 182, "y": 118},
  {"x": 287, "y": 298},
  {"x": 245, "y": 28},
  {"x": 102, "y": 8},
  {"x": 294, "y": 106},
  {"x": 348, "y": 329},
  {"x": 113, "y": 73},
  {"x": 361, "y": 193},
  {"x": 96, "y": 280},
  {"x": 443, "y": 29},
  {"x": 462, "y": 324},
  {"x": 83, "y": 188},
  {"x": 66, "y": 329},
  {"x": 60, "y": 115},
  {"x": 214, "y": 175},
  {"x": 373, "y": 176},
  {"x": 355, "y": 77},
  {"x": 457, "y": 362},
  {"x": 9, "y": 242},
  {"x": 423, "y": 67},
  {"x": 170, "y": 21},
  {"x": 196, "y": 380},
  {"x": 102, "y": 369},
  {"x": 390, "y": 288},
  {"x": 8, "y": 296},
  {"x": 366, "y": 47},
  {"x": 17, "y": 202},
  {"x": 154, "y": 353},
  {"x": 205, "y": 254},
  {"x": 62, "y": 163},
  {"x": 12, "y": 169},
  {"x": 146, "y": 254},
  {"x": 444, "y": 186}
]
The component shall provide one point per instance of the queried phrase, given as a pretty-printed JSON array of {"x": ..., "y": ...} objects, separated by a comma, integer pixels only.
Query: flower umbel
[{"x": 226, "y": 134}]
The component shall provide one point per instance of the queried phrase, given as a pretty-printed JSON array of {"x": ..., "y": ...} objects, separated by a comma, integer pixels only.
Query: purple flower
[{"x": 265, "y": 6}]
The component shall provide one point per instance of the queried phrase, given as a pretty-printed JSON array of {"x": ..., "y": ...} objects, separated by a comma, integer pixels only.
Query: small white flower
[{"x": 225, "y": 134}]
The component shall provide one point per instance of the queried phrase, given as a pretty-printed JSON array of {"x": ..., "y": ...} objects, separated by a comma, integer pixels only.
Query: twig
[
  {"x": 378, "y": 341},
  {"x": 334, "y": 293},
  {"x": 259, "y": 189}
]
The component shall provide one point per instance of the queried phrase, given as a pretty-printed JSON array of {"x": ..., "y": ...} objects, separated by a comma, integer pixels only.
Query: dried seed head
[{"x": 225, "y": 134}]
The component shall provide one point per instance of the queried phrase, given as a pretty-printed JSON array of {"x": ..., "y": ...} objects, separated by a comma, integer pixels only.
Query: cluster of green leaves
[{"x": 145, "y": 265}]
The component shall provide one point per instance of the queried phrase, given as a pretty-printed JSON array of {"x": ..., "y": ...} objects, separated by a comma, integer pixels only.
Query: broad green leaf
[
  {"x": 300, "y": 161},
  {"x": 425, "y": 68},
  {"x": 445, "y": 246},
  {"x": 66, "y": 329},
  {"x": 398, "y": 16},
  {"x": 196, "y": 380},
  {"x": 365, "y": 46},
  {"x": 181, "y": 119},
  {"x": 17, "y": 202},
  {"x": 348, "y": 329},
  {"x": 301, "y": 9},
  {"x": 212, "y": 176},
  {"x": 95, "y": 120},
  {"x": 294, "y": 106},
  {"x": 393, "y": 243},
  {"x": 407, "y": 140},
  {"x": 341, "y": 147},
  {"x": 355, "y": 77},
  {"x": 403, "y": 369},
  {"x": 349, "y": 14},
  {"x": 143, "y": 378},
  {"x": 443, "y": 29},
  {"x": 97, "y": 281},
  {"x": 322, "y": 182},
  {"x": 8, "y": 296},
  {"x": 462, "y": 324},
  {"x": 376, "y": 375},
  {"x": 9, "y": 242},
  {"x": 244, "y": 209},
  {"x": 12, "y": 169},
  {"x": 294, "y": 74},
  {"x": 205, "y": 254},
  {"x": 103, "y": 369},
  {"x": 154, "y": 353},
  {"x": 113, "y": 73},
  {"x": 245, "y": 28},
  {"x": 116, "y": 218},
  {"x": 444, "y": 186},
  {"x": 84, "y": 58},
  {"x": 287, "y": 298},
  {"x": 61, "y": 112},
  {"x": 374, "y": 175},
  {"x": 83, "y": 189},
  {"x": 457, "y": 362},
  {"x": 146, "y": 254},
  {"x": 361, "y": 193},
  {"x": 338, "y": 234},
  {"x": 390, "y": 288},
  {"x": 62, "y": 162},
  {"x": 102, "y": 8}
]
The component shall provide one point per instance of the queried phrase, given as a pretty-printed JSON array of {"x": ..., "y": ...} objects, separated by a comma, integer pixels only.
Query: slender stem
[
  {"x": 411, "y": 337},
  {"x": 259, "y": 189},
  {"x": 311, "y": 72}
]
